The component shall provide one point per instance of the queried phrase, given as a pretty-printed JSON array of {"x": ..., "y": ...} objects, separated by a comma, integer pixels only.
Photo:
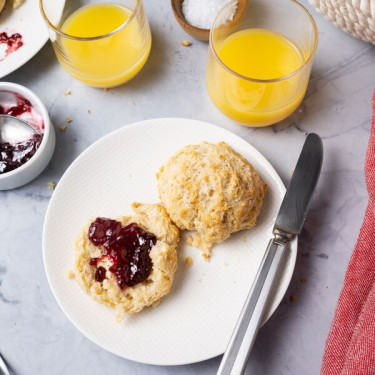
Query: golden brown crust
[
  {"x": 153, "y": 218},
  {"x": 210, "y": 189}
]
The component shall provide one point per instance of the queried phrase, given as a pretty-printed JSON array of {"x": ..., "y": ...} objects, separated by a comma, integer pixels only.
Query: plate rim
[
  {"x": 294, "y": 242},
  {"x": 19, "y": 62}
]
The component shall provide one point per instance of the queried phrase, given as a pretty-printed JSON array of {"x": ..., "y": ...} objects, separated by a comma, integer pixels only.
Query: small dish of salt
[{"x": 197, "y": 16}]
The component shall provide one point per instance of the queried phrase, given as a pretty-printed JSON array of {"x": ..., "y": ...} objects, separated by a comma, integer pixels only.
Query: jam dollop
[
  {"x": 128, "y": 249},
  {"x": 13, "y": 156},
  {"x": 13, "y": 42}
]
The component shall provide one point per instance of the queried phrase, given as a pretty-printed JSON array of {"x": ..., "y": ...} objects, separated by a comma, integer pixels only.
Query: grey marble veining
[{"x": 36, "y": 337}]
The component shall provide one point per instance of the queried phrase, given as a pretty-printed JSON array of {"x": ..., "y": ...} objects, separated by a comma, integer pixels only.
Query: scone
[
  {"x": 128, "y": 263},
  {"x": 212, "y": 190}
]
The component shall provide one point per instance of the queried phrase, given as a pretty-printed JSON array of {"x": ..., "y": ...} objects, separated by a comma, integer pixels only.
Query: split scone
[
  {"x": 128, "y": 263},
  {"x": 212, "y": 190}
]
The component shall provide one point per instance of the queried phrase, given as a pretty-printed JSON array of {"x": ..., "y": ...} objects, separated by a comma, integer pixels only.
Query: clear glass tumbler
[
  {"x": 98, "y": 42},
  {"x": 283, "y": 32}
]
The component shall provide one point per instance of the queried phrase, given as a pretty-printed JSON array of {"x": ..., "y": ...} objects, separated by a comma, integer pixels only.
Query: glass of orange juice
[
  {"x": 260, "y": 59},
  {"x": 101, "y": 43}
]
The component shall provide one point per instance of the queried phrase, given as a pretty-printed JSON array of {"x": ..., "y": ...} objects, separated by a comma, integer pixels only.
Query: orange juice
[
  {"x": 116, "y": 56},
  {"x": 255, "y": 91}
]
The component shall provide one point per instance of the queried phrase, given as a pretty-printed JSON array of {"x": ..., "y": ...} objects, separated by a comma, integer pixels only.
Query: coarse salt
[{"x": 201, "y": 13}]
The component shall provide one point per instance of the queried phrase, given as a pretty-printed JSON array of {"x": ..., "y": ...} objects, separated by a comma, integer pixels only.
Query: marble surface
[{"x": 36, "y": 337}]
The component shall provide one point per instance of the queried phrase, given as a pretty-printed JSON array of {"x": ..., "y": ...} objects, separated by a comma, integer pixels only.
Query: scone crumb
[
  {"x": 17, "y": 3},
  {"x": 62, "y": 128},
  {"x": 120, "y": 314},
  {"x": 68, "y": 120},
  {"x": 67, "y": 92},
  {"x": 70, "y": 274},
  {"x": 89, "y": 111},
  {"x": 303, "y": 279},
  {"x": 293, "y": 297},
  {"x": 206, "y": 256},
  {"x": 51, "y": 185},
  {"x": 189, "y": 240},
  {"x": 189, "y": 261},
  {"x": 186, "y": 43},
  {"x": 106, "y": 89}
]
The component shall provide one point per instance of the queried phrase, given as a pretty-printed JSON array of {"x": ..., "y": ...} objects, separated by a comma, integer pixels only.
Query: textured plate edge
[{"x": 294, "y": 243}]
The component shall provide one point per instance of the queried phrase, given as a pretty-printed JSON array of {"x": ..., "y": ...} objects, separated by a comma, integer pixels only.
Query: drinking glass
[
  {"x": 99, "y": 59},
  {"x": 260, "y": 102}
]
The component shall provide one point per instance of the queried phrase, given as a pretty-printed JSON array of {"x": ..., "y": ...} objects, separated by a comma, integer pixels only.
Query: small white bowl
[{"x": 32, "y": 168}]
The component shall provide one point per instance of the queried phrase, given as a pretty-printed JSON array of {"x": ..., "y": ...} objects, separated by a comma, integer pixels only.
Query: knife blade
[{"x": 289, "y": 223}]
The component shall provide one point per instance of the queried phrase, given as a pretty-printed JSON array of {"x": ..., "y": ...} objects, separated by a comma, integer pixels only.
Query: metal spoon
[
  {"x": 13, "y": 129},
  {"x": 3, "y": 367}
]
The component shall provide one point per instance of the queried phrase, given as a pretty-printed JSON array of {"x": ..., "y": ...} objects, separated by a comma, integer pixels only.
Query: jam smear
[
  {"x": 128, "y": 248},
  {"x": 13, "y": 43},
  {"x": 13, "y": 156},
  {"x": 22, "y": 106}
]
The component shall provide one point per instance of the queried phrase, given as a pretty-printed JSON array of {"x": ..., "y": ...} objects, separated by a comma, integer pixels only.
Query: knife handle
[{"x": 238, "y": 350}]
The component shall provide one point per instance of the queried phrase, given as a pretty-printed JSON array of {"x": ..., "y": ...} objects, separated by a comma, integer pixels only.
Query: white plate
[
  {"x": 26, "y": 20},
  {"x": 195, "y": 321}
]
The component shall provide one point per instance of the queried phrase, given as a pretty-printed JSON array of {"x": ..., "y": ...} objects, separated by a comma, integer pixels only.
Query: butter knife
[
  {"x": 3, "y": 367},
  {"x": 289, "y": 223}
]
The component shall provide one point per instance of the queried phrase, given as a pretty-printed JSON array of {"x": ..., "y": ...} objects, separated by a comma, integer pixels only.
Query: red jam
[
  {"x": 16, "y": 105},
  {"x": 13, "y": 43},
  {"x": 13, "y": 156},
  {"x": 100, "y": 274},
  {"x": 22, "y": 106},
  {"x": 128, "y": 249}
]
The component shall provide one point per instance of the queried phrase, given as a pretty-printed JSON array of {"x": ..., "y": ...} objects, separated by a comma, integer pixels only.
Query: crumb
[
  {"x": 67, "y": 92},
  {"x": 68, "y": 120},
  {"x": 303, "y": 279},
  {"x": 292, "y": 171},
  {"x": 189, "y": 240},
  {"x": 186, "y": 43},
  {"x": 206, "y": 256},
  {"x": 51, "y": 185},
  {"x": 293, "y": 297},
  {"x": 300, "y": 110},
  {"x": 106, "y": 89},
  {"x": 62, "y": 128},
  {"x": 88, "y": 111},
  {"x": 189, "y": 261},
  {"x": 70, "y": 274}
]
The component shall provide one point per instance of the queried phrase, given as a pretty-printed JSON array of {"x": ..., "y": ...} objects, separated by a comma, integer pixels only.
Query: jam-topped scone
[
  {"x": 212, "y": 190},
  {"x": 128, "y": 263}
]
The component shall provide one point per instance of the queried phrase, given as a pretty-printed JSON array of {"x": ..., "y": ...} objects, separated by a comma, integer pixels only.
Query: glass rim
[
  {"x": 311, "y": 56},
  {"x": 86, "y": 39}
]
